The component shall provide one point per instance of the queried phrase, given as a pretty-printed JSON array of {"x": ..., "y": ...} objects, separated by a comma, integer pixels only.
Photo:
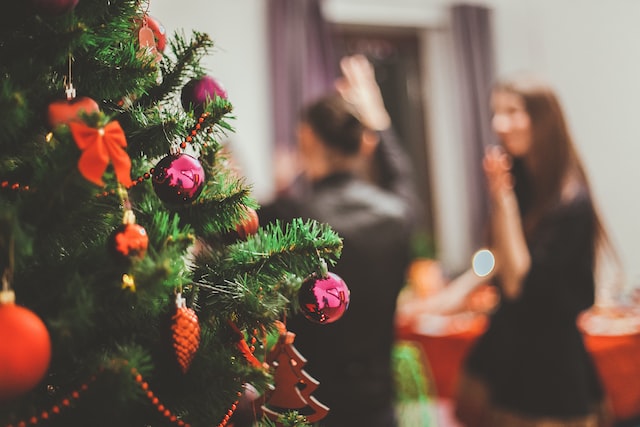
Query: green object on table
[{"x": 414, "y": 387}]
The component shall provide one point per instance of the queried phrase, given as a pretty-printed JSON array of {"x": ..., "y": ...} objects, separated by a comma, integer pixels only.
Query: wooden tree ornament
[{"x": 293, "y": 386}]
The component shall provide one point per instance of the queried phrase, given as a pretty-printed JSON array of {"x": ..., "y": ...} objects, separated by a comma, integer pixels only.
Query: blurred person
[
  {"x": 384, "y": 163},
  {"x": 425, "y": 278},
  {"x": 428, "y": 299},
  {"x": 531, "y": 367},
  {"x": 339, "y": 135}
]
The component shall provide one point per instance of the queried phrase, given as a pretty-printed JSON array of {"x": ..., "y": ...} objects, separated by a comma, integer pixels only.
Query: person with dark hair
[
  {"x": 531, "y": 368},
  {"x": 338, "y": 135}
]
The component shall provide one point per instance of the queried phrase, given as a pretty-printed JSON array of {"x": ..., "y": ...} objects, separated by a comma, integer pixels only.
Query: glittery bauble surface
[
  {"x": 178, "y": 179},
  {"x": 198, "y": 92},
  {"x": 186, "y": 336},
  {"x": 324, "y": 300},
  {"x": 25, "y": 351}
]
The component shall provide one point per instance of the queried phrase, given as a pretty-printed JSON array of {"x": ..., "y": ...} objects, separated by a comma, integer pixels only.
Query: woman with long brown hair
[{"x": 531, "y": 368}]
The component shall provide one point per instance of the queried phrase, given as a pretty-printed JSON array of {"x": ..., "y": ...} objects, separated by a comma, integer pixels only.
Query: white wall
[{"x": 589, "y": 49}]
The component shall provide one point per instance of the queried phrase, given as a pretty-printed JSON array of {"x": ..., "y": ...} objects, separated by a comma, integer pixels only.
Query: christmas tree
[{"x": 137, "y": 287}]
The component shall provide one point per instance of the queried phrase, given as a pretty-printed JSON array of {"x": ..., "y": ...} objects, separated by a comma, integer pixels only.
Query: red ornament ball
[
  {"x": 62, "y": 112},
  {"x": 25, "y": 352},
  {"x": 324, "y": 300},
  {"x": 53, "y": 7},
  {"x": 178, "y": 179},
  {"x": 129, "y": 241},
  {"x": 249, "y": 225},
  {"x": 199, "y": 92}
]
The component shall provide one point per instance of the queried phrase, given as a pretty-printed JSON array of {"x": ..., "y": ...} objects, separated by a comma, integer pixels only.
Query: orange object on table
[
  {"x": 445, "y": 339},
  {"x": 612, "y": 339},
  {"x": 445, "y": 351}
]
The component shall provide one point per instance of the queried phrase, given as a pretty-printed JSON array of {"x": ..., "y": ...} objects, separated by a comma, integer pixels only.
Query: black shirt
[{"x": 351, "y": 358}]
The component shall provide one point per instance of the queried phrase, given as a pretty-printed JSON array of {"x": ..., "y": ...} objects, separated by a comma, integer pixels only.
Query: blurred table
[
  {"x": 611, "y": 337},
  {"x": 445, "y": 341}
]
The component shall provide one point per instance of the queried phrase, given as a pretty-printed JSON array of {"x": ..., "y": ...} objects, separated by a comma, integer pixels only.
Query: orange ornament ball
[
  {"x": 249, "y": 225},
  {"x": 129, "y": 241},
  {"x": 25, "y": 352},
  {"x": 62, "y": 111}
]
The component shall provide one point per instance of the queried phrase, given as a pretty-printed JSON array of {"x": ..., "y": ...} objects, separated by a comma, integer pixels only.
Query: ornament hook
[
  {"x": 69, "y": 89},
  {"x": 123, "y": 194},
  {"x": 323, "y": 267},
  {"x": 5, "y": 280},
  {"x": 7, "y": 296},
  {"x": 7, "y": 275}
]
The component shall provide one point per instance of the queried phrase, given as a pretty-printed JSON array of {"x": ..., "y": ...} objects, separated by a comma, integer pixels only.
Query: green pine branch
[
  {"x": 188, "y": 54},
  {"x": 263, "y": 266}
]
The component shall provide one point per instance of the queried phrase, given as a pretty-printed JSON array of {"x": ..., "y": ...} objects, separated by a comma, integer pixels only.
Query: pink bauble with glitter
[{"x": 324, "y": 300}]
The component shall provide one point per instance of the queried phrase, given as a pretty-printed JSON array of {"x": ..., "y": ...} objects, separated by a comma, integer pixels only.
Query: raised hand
[
  {"x": 497, "y": 169},
  {"x": 358, "y": 86}
]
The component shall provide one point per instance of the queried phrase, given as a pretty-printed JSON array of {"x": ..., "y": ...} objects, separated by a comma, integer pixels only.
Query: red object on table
[
  {"x": 615, "y": 351},
  {"x": 612, "y": 337},
  {"x": 445, "y": 352}
]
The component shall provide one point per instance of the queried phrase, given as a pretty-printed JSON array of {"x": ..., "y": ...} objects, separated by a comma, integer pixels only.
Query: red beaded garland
[
  {"x": 15, "y": 186},
  {"x": 55, "y": 409}
]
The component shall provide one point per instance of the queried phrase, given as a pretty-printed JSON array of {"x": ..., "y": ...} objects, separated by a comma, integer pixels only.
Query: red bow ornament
[{"x": 99, "y": 147}]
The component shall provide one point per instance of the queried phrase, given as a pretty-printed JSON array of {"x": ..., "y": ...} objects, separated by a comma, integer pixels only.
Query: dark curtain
[
  {"x": 474, "y": 51},
  {"x": 303, "y": 65}
]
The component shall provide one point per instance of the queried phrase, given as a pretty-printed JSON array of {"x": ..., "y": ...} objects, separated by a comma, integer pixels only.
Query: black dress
[{"x": 532, "y": 357}]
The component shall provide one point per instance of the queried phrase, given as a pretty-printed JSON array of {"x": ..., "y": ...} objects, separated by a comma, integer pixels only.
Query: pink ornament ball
[
  {"x": 324, "y": 300},
  {"x": 53, "y": 7},
  {"x": 178, "y": 179},
  {"x": 199, "y": 92}
]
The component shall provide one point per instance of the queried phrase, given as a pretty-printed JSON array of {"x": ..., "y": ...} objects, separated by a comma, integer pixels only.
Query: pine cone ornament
[{"x": 186, "y": 333}]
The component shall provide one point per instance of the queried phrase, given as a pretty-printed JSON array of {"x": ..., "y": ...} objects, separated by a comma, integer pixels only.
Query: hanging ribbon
[
  {"x": 241, "y": 344},
  {"x": 99, "y": 147}
]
